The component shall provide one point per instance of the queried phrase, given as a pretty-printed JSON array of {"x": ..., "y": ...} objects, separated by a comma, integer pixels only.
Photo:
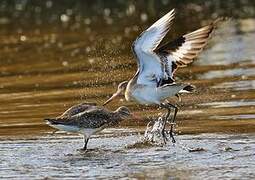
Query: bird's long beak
[{"x": 113, "y": 97}]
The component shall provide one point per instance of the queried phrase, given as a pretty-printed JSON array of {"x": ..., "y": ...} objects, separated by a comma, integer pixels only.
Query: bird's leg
[
  {"x": 166, "y": 106},
  {"x": 85, "y": 143},
  {"x": 168, "y": 113},
  {"x": 53, "y": 132},
  {"x": 165, "y": 120},
  {"x": 173, "y": 121}
]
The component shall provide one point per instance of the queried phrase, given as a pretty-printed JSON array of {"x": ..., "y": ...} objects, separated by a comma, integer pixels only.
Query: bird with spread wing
[{"x": 154, "y": 80}]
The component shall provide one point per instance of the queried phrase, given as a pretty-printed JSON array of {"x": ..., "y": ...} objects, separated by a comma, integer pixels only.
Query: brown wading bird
[
  {"x": 154, "y": 80},
  {"x": 88, "y": 119}
]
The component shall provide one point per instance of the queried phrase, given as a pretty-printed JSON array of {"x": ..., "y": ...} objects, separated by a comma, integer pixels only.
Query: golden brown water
[
  {"x": 46, "y": 68},
  {"x": 39, "y": 79}
]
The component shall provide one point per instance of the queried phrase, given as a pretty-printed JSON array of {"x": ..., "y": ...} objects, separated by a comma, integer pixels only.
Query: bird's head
[
  {"x": 121, "y": 89},
  {"x": 125, "y": 113}
]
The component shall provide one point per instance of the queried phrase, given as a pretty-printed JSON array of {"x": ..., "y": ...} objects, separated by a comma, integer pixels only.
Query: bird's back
[
  {"x": 78, "y": 109},
  {"x": 93, "y": 118}
]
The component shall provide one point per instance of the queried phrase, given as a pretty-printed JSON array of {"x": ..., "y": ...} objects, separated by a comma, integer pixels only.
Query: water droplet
[
  {"x": 65, "y": 63},
  {"x": 244, "y": 77},
  {"x": 88, "y": 49},
  {"x": 130, "y": 10},
  {"x": 87, "y": 21},
  {"x": 23, "y": 38},
  {"x": 233, "y": 96},
  {"x": 107, "y": 12},
  {"x": 64, "y": 18},
  {"x": 49, "y": 4},
  {"x": 91, "y": 60},
  {"x": 144, "y": 17}
]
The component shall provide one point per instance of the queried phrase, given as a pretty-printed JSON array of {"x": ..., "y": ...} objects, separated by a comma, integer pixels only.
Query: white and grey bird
[
  {"x": 154, "y": 80},
  {"x": 88, "y": 119}
]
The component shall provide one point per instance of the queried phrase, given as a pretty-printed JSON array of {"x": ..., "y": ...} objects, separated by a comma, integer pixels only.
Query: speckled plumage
[
  {"x": 78, "y": 108},
  {"x": 88, "y": 119},
  {"x": 93, "y": 117}
]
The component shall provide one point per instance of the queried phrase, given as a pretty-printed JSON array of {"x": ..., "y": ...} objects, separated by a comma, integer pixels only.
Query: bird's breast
[
  {"x": 143, "y": 95},
  {"x": 128, "y": 95}
]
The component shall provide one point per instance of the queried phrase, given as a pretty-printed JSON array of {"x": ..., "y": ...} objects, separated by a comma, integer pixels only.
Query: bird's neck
[{"x": 116, "y": 118}]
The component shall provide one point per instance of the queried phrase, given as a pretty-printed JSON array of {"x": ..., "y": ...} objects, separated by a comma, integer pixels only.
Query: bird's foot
[
  {"x": 82, "y": 150},
  {"x": 171, "y": 135},
  {"x": 164, "y": 137},
  {"x": 156, "y": 132}
]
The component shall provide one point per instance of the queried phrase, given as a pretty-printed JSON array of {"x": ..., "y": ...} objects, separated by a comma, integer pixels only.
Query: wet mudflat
[
  {"x": 47, "y": 67},
  {"x": 120, "y": 155}
]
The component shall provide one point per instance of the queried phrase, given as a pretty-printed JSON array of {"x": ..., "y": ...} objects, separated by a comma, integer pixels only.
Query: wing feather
[
  {"x": 149, "y": 40},
  {"x": 78, "y": 108},
  {"x": 157, "y": 65},
  {"x": 183, "y": 50},
  {"x": 144, "y": 46}
]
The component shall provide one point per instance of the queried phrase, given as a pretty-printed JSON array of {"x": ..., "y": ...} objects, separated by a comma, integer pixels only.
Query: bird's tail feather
[
  {"x": 188, "y": 89},
  {"x": 51, "y": 121},
  {"x": 170, "y": 90},
  {"x": 173, "y": 89}
]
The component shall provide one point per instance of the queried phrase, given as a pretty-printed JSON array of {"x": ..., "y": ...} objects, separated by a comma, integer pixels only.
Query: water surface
[
  {"x": 55, "y": 55},
  {"x": 119, "y": 155}
]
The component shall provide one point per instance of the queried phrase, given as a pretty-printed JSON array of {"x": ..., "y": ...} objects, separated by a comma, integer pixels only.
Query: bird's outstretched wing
[
  {"x": 183, "y": 50},
  {"x": 149, "y": 65},
  {"x": 149, "y": 40}
]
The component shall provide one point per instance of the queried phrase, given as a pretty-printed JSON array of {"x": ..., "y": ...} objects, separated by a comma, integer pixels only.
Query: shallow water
[
  {"x": 119, "y": 155},
  {"x": 48, "y": 64}
]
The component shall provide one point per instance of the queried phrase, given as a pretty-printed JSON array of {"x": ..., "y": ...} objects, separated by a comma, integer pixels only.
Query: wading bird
[
  {"x": 88, "y": 119},
  {"x": 154, "y": 80}
]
